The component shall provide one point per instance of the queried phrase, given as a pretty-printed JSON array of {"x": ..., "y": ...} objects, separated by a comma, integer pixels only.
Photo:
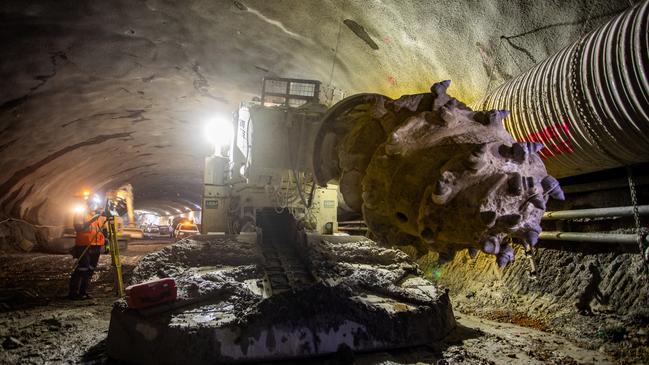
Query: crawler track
[{"x": 285, "y": 268}]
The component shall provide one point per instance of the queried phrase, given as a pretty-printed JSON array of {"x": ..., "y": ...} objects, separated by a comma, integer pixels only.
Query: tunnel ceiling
[{"x": 99, "y": 93}]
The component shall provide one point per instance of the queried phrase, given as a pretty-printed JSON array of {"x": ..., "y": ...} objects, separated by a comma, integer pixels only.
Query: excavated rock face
[
  {"x": 426, "y": 170},
  {"x": 595, "y": 299}
]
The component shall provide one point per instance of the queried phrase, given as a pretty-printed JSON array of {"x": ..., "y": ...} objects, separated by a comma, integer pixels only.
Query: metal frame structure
[{"x": 295, "y": 90}]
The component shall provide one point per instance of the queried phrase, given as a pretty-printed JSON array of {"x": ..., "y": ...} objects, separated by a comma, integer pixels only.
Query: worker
[{"x": 89, "y": 242}]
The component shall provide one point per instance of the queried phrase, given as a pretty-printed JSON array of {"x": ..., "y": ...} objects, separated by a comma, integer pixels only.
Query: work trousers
[{"x": 80, "y": 278}]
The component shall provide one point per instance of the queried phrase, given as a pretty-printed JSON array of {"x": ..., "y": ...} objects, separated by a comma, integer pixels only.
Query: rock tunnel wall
[
  {"x": 102, "y": 93},
  {"x": 581, "y": 295},
  {"x": 550, "y": 281}
]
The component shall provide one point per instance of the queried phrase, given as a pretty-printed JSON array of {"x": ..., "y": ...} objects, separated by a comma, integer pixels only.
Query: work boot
[
  {"x": 75, "y": 282},
  {"x": 83, "y": 287}
]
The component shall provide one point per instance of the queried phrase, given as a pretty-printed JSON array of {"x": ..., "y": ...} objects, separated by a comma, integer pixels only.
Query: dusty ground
[
  {"x": 597, "y": 300},
  {"x": 37, "y": 326}
]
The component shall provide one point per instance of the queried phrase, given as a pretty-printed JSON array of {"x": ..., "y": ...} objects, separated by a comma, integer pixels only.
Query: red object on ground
[{"x": 151, "y": 293}]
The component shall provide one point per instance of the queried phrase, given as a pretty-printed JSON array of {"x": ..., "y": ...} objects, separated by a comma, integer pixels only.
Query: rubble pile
[
  {"x": 597, "y": 300},
  {"x": 76, "y": 331},
  {"x": 199, "y": 251},
  {"x": 20, "y": 236},
  {"x": 364, "y": 297}
]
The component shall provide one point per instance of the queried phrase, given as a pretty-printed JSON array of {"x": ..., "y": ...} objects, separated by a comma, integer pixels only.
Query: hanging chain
[
  {"x": 528, "y": 253},
  {"x": 640, "y": 231}
]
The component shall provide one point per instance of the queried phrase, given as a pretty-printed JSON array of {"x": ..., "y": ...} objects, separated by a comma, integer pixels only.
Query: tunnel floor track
[{"x": 284, "y": 267}]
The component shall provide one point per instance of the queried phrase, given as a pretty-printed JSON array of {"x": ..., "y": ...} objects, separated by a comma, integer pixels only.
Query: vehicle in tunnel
[
  {"x": 150, "y": 231},
  {"x": 177, "y": 221},
  {"x": 185, "y": 230},
  {"x": 126, "y": 222},
  {"x": 164, "y": 230},
  {"x": 150, "y": 228}
]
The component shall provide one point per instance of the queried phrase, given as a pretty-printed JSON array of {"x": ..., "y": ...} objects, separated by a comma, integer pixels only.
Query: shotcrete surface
[{"x": 97, "y": 94}]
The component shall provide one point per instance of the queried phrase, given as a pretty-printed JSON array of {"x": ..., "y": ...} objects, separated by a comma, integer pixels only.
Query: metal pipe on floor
[
  {"x": 595, "y": 213},
  {"x": 596, "y": 237}
]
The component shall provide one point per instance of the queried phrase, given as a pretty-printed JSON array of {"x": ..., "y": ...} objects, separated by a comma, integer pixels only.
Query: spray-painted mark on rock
[{"x": 555, "y": 137}]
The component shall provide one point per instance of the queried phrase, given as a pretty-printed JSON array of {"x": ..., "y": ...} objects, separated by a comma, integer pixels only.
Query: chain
[
  {"x": 641, "y": 232},
  {"x": 528, "y": 253},
  {"x": 333, "y": 62}
]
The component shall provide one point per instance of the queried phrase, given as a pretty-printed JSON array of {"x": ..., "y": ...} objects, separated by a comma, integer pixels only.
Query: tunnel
[{"x": 324, "y": 182}]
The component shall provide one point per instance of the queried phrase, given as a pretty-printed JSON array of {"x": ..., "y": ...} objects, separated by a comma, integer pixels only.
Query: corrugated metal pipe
[{"x": 589, "y": 103}]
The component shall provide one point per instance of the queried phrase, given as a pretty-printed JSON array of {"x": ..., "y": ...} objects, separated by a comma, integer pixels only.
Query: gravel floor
[{"x": 38, "y": 327}]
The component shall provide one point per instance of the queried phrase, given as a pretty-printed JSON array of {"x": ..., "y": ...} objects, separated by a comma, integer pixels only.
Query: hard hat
[{"x": 92, "y": 205}]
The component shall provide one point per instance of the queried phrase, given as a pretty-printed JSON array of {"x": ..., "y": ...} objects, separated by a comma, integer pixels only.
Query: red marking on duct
[
  {"x": 555, "y": 138},
  {"x": 387, "y": 39},
  {"x": 392, "y": 80}
]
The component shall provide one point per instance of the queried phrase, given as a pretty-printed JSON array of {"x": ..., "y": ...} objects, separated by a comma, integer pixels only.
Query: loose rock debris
[
  {"x": 361, "y": 296},
  {"x": 81, "y": 336}
]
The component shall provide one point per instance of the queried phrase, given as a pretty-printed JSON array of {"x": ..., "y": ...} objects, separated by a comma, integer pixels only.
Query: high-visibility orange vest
[{"x": 92, "y": 236}]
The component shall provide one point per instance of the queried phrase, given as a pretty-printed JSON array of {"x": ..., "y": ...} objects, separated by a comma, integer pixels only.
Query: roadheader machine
[
  {"x": 423, "y": 170},
  {"x": 265, "y": 165},
  {"x": 272, "y": 278}
]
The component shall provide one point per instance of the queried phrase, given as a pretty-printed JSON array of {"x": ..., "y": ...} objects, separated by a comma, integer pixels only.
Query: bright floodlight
[
  {"x": 96, "y": 199},
  {"x": 79, "y": 209},
  {"x": 219, "y": 132}
]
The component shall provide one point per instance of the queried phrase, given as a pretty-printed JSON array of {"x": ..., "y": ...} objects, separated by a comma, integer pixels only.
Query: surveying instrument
[{"x": 115, "y": 207}]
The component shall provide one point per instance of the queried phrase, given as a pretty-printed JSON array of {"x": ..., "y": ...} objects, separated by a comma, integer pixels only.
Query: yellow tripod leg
[{"x": 114, "y": 253}]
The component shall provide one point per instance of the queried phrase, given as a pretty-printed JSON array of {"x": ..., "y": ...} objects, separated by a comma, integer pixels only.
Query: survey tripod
[{"x": 114, "y": 208}]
